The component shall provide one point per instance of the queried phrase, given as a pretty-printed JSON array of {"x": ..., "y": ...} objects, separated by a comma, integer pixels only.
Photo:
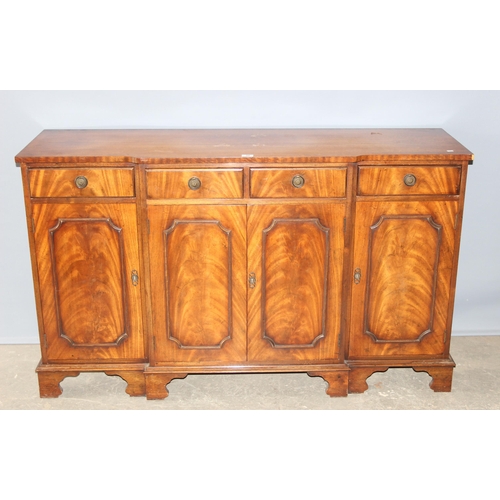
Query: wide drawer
[
  {"x": 298, "y": 183},
  {"x": 408, "y": 180},
  {"x": 192, "y": 184},
  {"x": 81, "y": 182}
]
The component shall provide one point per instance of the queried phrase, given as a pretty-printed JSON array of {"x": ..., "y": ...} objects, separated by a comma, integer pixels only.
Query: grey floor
[{"x": 476, "y": 386}]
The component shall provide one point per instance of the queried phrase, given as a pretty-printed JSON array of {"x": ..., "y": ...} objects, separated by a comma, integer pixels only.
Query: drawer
[
  {"x": 81, "y": 182},
  {"x": 192, "y": 184},
  {"x": 298, "y": 182},
  {"x": 408, "y": 180}
]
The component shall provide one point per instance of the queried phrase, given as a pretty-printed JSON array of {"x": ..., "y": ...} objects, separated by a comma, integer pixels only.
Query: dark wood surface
[{"x": 242, "y": 145}]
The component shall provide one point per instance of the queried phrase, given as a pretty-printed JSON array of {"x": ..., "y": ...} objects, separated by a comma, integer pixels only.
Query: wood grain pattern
[
  {"x": 292, "y": 250},
  {"x": 295, "y": 265},
  {"x": 390, "y": 180},
  {"x": 243, "y": 145},
  {"x": 87, "y": 258},
  {"x": 86, "y": 254},
  {"x": 193, "y": 251},
  {"x": 224, "y": 183},
  {"x": 277, "y": 183},
  {"x": 402, "y": 276},
  {"x": 198, "y": 282},
  {"x": 405, "y": 251},
  {"x": 104, "y": 182}
]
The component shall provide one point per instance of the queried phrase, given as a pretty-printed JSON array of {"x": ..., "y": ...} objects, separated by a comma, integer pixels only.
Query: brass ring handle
[
  {"x": 81, "y": 182},
  {"x": 194, "y": 183},
  {"x": 298, "y": 181},
  {"x": 409, "y": 179}
]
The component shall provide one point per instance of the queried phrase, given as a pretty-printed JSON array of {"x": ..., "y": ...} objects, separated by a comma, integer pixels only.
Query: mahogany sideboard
[{"x": 162, "y": 253}]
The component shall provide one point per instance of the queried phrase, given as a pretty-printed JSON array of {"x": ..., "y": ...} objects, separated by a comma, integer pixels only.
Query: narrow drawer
[
  {"x": 408, "y": 180},
  {"x": 81, "y": 182},
  {"x": 194, "y": 183},
  {"x": 298, "y": 183}
]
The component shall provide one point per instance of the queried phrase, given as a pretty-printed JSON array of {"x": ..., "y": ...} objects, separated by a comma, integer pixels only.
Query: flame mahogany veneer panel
[
  {"x": 198, "y": 277},
  {"x": 86, "y": 255},
  {"x": 405, "y": 251}
]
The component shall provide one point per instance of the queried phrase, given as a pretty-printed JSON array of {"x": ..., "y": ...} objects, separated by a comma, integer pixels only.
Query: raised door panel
[
  {"x": 198, "y": 257},
  {"x": 295, "y": 263},
  {"x": 88, "y": 262},
  {"x": 403, "y": 259}
]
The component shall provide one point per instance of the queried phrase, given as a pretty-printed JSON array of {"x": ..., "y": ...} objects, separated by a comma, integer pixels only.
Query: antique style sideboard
[{"x": 162, "y": 253}]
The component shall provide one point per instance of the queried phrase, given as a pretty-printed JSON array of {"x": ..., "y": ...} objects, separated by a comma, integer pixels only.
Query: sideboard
[{"x": 157, "y": 254}]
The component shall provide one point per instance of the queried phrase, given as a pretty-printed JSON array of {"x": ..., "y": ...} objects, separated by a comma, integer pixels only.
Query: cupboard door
[
  {"x": 198, "y": 267},
  {"x": 295, "y": 262},
  {"x": 402, "y": 268},
  {"x": 88, "y": 262}
]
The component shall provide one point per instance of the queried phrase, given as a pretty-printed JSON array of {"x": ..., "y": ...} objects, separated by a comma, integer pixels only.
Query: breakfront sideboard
[{"x": 162, "y": 253}]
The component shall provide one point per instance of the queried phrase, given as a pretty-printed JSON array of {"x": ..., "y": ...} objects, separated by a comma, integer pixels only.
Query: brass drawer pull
[
  {"x": 409, "y": 179},
  {"x": 194, "y": 183},
  {"x": 298, "y": 181},
  {"x": 81, "y": 182}
]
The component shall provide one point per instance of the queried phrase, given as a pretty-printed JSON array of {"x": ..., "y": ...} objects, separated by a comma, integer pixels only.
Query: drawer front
[
  {"x": 408, "y": 180},
  {"x": 192, "y": 184},
  {"x": 298, "y": 183},
  {"x": 81, "y": 182}
]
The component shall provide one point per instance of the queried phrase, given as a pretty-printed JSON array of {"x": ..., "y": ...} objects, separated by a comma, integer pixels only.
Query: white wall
[{"x": 472, "y": 117}]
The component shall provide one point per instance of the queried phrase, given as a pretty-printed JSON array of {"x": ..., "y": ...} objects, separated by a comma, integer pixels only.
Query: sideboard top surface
[{"x": 154, "y": 146}]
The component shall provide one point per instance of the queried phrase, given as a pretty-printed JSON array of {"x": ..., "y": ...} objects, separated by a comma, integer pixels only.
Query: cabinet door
[
  {"x": 403, "y": 261},
  {"x": 88, "y": 260},
  {"x": 295, "y": 263},
  {"x": 197, "y": 259}
]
